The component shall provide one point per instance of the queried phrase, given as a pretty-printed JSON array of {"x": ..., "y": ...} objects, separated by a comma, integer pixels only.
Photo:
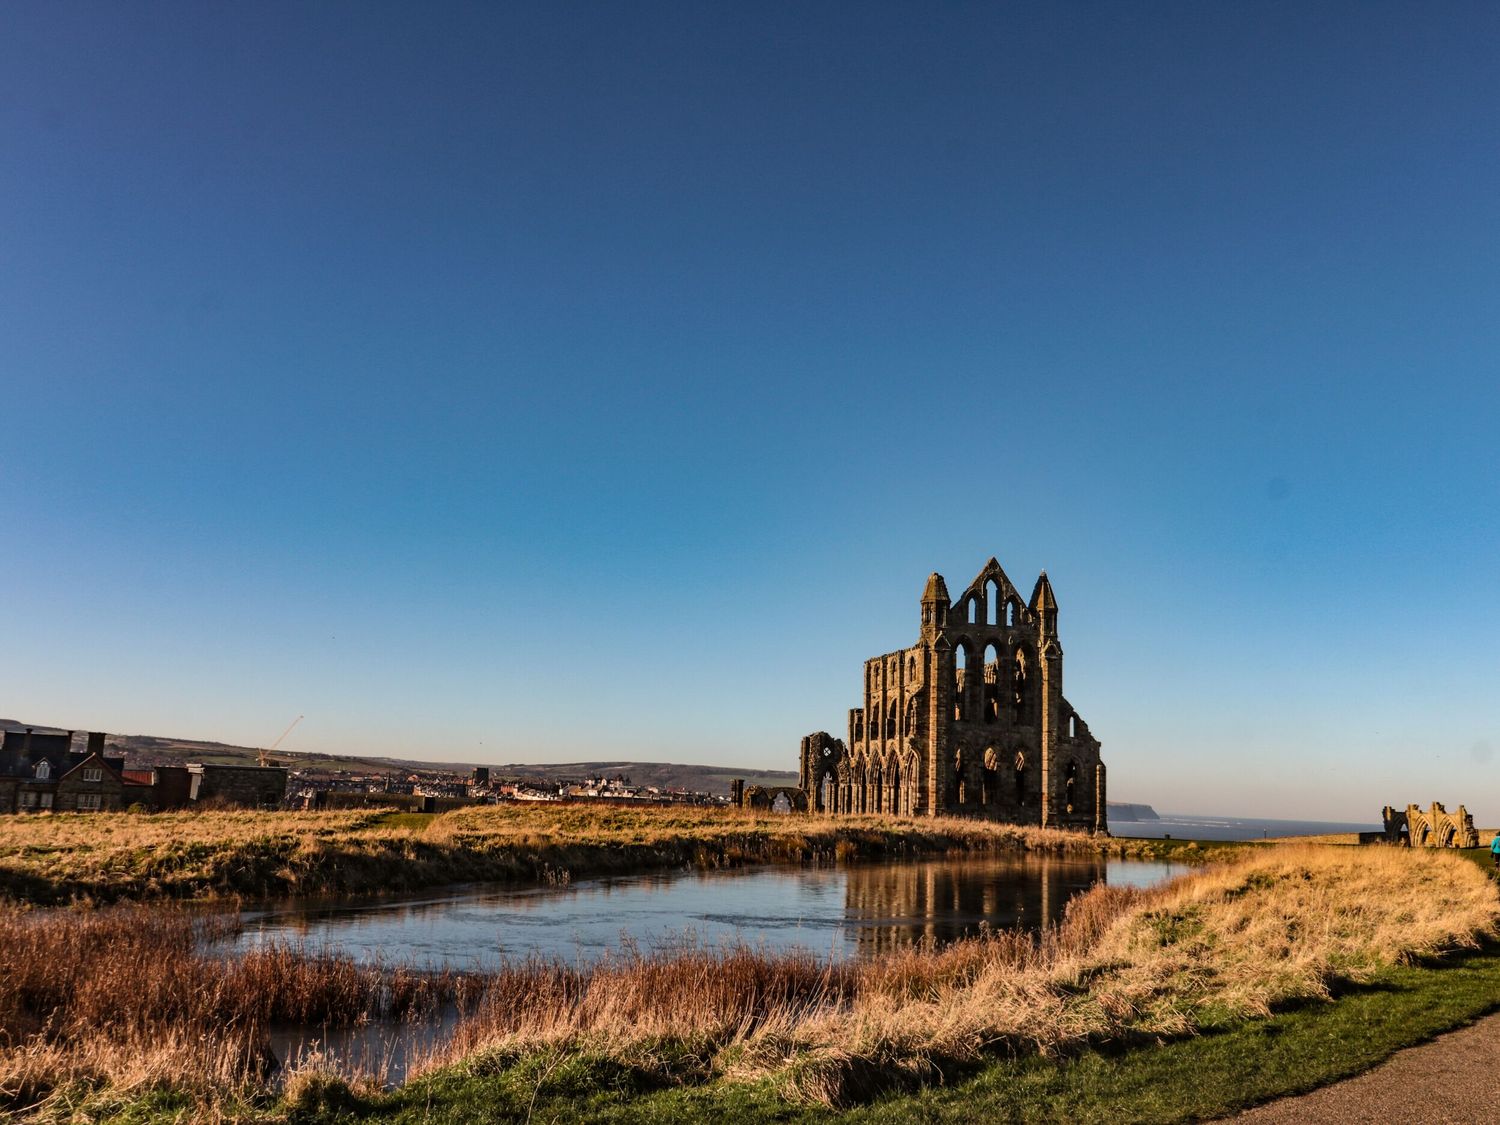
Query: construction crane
[{"x": 265, "y": 755}]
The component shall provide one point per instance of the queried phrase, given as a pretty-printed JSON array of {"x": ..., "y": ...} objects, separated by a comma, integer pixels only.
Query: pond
[
  {"x": 848, "y": 910},
  {"x": 853, "y": 910}
]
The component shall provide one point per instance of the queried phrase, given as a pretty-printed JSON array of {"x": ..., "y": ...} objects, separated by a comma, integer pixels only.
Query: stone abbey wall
[
  {"x": 969, "y": 721},
  {"x": 1435, "y": 827}
]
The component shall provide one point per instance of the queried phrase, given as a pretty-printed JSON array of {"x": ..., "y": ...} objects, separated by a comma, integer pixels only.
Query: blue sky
[{"x": 498, "y": 384}]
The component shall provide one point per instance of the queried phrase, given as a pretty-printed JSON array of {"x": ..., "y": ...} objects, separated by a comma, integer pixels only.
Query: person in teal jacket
[{"x": 1495, "y": 849}]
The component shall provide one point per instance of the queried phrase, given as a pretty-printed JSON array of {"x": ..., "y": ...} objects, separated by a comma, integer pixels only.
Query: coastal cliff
[{"x": 1121, "y": 811}]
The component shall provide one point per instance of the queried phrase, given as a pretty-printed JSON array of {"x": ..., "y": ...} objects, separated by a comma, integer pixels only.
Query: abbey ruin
[
  {"x": 969, "y": 721},
  {"x": 1436, "y": 827}
]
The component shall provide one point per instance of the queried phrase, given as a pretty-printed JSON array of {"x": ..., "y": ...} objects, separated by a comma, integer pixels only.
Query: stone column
[
  {"x": 1051, "y": 716},
  {"x": 1101, "y": 806},
  {"x": 939, "y": 727}
]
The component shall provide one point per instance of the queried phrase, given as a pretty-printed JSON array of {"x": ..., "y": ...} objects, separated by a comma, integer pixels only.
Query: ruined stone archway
[
  {"x": 1433, "y": 827},
  {"x": 777, "y": 798}
]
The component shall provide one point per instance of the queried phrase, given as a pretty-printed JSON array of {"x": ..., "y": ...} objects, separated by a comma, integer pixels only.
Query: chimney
[
  {"x": 96, "y": 742},
  {"x": 26, "y": 743}
]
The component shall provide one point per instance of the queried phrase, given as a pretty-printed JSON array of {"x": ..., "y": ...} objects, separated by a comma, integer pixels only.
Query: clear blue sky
[{"x": 506, "y": 383}]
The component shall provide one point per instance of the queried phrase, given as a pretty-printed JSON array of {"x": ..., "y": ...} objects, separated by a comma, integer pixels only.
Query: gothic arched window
[
  {"x": 992, "y": 673},
  {"x": 1019, "y": 677},
  {"x": 960, "y": 677}
]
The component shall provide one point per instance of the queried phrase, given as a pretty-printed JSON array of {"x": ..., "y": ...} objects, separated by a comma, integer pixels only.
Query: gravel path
[{"x": 1455, "y": 1078}]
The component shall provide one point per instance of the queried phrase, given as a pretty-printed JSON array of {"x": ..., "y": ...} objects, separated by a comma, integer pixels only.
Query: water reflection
[
  {"x": 862, "y": 910},
  {"x": 937, "y": 902}
]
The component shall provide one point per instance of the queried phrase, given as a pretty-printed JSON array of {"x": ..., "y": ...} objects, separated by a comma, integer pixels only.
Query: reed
[{"x": 128, "y": 997}]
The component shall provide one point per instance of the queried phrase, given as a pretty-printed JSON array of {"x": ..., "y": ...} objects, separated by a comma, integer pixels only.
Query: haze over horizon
[{"x": 580, "y": 383}]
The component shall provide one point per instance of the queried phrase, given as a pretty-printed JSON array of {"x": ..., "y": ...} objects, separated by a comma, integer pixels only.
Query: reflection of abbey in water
[
  {"x": 969, "y": 721},
  {"x": 891, "y": 905}
]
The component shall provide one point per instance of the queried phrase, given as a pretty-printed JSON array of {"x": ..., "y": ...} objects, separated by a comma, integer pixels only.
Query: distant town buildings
[
  {"x": 43, "y": 770},
  {"x": 439, "y": 791}
]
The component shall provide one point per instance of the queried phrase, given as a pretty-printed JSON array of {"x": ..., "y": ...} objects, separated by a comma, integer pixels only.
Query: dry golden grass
[
  {"x": 111, "y": 856},
  {"x": 121, "y": 999},
  {"x": 1277, "y": 926}
]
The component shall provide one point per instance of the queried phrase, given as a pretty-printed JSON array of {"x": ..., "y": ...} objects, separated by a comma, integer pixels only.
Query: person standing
[{"x": 1495, "y": 849}]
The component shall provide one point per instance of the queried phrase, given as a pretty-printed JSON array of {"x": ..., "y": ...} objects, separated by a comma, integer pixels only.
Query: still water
[{"x": 852, "y": 910}]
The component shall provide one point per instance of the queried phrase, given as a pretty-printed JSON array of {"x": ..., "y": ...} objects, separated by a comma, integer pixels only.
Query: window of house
[
  {"x": 93, "y": 775},
  {"x": 46, "y": 800},
  {"x": 44, "y": 769},
  {"x": 88, "y": 800},
  {"x": 28, "y": 800}
]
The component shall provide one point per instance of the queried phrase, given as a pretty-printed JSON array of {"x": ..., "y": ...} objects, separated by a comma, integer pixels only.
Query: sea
[{"x": 1197, "y": 826}]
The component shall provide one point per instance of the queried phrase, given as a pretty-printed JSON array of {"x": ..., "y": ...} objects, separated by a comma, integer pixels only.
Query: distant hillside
[
  {"x": 1118, "y": 810},
  {"x": 146, "y": 750}
]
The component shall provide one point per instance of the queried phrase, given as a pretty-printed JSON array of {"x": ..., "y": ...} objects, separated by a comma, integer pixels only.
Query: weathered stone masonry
[
  {"x": 1429, "y": 828},
  {"x": 970, "y": 720}
]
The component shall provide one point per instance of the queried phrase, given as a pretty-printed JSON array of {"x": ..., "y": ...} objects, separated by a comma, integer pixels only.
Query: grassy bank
[
  {"x": 1231, "y": 1065},
  {"x": 113, "y": 856},
  {"x": 1205, "y": 965}
]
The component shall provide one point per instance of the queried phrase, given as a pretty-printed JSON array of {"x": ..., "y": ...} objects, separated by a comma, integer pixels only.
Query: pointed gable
[
  {"x": 1005, "y": 593},
  {"x": 94, "y": 761},
  {"x": 992, "y": 572}
]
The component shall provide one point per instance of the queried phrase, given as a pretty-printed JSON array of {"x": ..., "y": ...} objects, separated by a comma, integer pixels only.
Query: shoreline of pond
[{"x": 206, "y": 857}]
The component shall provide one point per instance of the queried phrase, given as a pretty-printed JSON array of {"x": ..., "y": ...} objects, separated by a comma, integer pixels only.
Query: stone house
[
  {"x": 971, "y": 720},
  {"x": 40, "y": 772},
  {"x": 97, "y": 785}
]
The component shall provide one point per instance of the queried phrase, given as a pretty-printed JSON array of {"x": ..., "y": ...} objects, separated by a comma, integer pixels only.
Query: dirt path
[{"x": 1455, "y": 1078}]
